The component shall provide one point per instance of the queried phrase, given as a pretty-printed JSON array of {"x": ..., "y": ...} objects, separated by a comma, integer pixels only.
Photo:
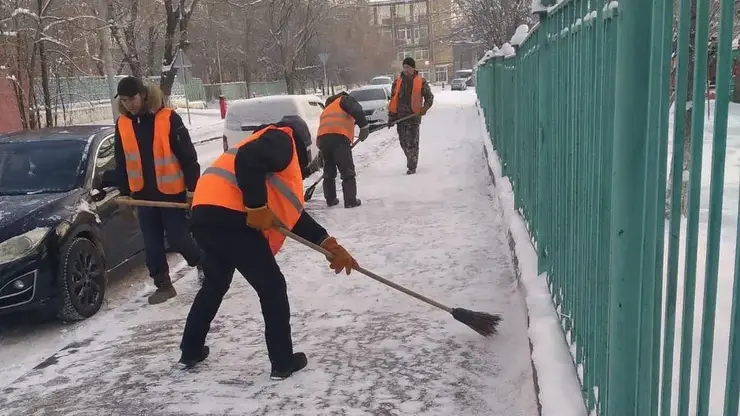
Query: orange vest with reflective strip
[
  {"x": 334, "y": 120},
  {"x": 218, "y": 186},
  {"x": 170, "y": 179},
  {"x": 416, "y": 97}
]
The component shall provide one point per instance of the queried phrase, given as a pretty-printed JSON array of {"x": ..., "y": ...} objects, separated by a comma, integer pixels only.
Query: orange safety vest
[
  {"x": 218, "y": 187},
  {"x": 170, "y": 179},
  {"x": 334, "y": 120},
  {"x": 416, "y": 97}
]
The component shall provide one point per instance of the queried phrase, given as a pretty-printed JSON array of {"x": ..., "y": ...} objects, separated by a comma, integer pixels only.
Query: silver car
[{"x": 374, "y": 101}]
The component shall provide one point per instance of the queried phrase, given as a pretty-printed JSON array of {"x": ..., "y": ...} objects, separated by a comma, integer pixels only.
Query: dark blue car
[{"x": 59, "y": 239}]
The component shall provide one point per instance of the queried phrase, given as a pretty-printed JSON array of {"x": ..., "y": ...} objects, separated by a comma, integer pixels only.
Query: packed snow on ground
[
  {"x": 728, "y": 237},
  {"x": 557, "y": 379},
  {"x": 371, "y": 350}
]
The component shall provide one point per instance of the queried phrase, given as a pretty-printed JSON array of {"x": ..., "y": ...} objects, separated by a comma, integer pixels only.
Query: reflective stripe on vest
[
  {"x": 218, "y": 186},
  {"x": 416, "y": 96},
  {"x": 169, "y": 175},
  {"x": 334, "y": 120}
]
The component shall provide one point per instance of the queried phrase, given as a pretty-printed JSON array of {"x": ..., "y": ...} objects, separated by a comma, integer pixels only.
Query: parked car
[
  {"x": 244, "y": 116},
  {"x": 60, "y": 239},
  {"x": 374, "y": 101},
  {"x": 459, "y": 84},
  {"x": 382, "y": 80},
  {"x": 467, "y": 75}
]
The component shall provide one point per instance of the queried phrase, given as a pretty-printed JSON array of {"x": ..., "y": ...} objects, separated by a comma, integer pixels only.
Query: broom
[
  {"x": 483, "y": 323},
  {"x": 311, "y": 189}
]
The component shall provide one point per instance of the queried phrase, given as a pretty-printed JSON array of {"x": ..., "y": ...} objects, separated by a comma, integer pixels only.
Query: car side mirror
[{"x": 98, "y": 195}]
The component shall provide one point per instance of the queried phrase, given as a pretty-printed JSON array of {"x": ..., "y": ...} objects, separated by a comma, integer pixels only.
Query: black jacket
[
  {"x": 270, "y": 153},
  {"x": 180, "y": 142},
  {"x": 351, "y": 107}
]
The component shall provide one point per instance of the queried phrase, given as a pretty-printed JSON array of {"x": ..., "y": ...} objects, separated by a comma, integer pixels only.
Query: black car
[{"x": 59, "y": 239}]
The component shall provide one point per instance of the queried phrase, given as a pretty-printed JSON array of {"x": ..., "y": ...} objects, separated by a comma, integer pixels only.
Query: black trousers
[
  {"x": 246, "y": 250},
  {"x": 154, "y": 223},
  {"x": 337, "y": 153}
]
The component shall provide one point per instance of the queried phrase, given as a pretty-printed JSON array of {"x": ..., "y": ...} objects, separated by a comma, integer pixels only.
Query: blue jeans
[{"x": 154, "y": 223}]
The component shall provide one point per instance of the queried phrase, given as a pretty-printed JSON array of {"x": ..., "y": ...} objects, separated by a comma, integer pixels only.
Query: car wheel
[{"x": 83, "y": 280}]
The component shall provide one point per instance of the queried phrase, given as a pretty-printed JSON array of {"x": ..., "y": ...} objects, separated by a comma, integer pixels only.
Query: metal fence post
[{"x": 627, "y": 201}]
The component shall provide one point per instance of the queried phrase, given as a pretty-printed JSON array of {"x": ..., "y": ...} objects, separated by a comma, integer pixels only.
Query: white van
[{"x": 244, "y": 116}]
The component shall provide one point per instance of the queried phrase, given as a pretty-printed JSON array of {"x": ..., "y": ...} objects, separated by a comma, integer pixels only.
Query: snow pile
[
  {"x": 507, "y": 50},
  {"x": 538, "y": 7},
  {"x": 520, "y": 35},
  {"x": 488, "y": 55},
  {"x": 559, "y": 386}
]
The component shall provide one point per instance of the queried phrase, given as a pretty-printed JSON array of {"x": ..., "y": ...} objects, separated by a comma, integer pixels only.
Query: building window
[
  {"x": 403, "y": 33},
  {"x": 420, "y": 11},
  {"x": 387, "y": 33},
  {"x": 421, "y": 54},
  {"x": 421, "y": 34},
  {"x": 403, "y": 12},
  {"x": 403, "y": 54},
  {"x": 384, "y": 15},
  {"x": 441, "y": 73}
]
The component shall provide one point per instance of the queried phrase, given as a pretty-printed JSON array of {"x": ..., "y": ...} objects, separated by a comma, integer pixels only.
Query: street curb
[
  {"x": 557, "y": 385},
  {"x": 522, "y": 287}
]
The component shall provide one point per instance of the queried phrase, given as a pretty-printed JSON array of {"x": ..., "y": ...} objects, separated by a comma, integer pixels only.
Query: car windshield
[
  {"x": 368, "y": 94},
  {"x": 380, "y": 81},
  {"x": 37, "y": 167},
  {"x": 261, "y": 112},
  {"x": 458, "y": 81},
  {"x": 464, "y": 73}
]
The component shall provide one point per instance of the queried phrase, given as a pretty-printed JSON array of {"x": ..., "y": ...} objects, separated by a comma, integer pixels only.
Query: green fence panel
[{"x": 580, "y": 117}]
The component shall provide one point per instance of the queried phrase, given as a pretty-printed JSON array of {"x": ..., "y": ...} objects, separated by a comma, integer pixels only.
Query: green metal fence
[{"x": 580, "y": 116}]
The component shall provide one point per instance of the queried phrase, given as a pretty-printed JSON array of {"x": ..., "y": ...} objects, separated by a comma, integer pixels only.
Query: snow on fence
[{"x": 580, "y": 114}]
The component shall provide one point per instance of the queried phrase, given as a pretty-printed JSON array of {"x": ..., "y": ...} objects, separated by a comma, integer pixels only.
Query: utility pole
[
  {"x": 218, "y": 58},
  {"x": 110, "y": 72}
]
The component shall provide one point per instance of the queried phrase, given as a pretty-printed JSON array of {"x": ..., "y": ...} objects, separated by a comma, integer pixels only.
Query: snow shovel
[
  {"x": 311, "y": 189},
  {"x": 483, "y": 323}
]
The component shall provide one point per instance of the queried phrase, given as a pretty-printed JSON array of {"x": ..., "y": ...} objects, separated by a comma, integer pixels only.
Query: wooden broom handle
[{"x": 299, "y": 239}]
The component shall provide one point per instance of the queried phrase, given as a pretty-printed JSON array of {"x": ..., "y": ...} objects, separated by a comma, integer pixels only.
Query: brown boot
[{"x": 164, "y": 291}]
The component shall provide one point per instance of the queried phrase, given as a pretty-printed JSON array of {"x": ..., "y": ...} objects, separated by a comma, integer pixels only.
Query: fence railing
[{"x": 579, "y": 114}]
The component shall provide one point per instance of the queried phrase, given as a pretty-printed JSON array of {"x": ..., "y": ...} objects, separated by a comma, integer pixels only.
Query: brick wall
[{"x": 10, "y": 119}]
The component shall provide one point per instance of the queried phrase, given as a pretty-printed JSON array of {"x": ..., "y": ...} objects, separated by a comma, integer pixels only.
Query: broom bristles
[{"x": 483, "y": 323}]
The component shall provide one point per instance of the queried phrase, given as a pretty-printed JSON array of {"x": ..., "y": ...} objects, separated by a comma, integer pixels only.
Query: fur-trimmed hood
[{"x": 153, "y": 101}]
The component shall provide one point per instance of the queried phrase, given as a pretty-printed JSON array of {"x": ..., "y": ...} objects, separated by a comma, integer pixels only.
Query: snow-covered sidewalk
[{"x": 371, "y": 350}]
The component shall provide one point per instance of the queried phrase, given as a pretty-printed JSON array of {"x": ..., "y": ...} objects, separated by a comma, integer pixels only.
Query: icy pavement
[{"x": 371, "y": 350}]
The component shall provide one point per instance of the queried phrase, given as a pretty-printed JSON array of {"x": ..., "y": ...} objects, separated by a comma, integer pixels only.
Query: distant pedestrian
[
  {"x": 156, "y": 160},
  {"x": 335, "y": 138},
  {"x": 410, "y": 94}
]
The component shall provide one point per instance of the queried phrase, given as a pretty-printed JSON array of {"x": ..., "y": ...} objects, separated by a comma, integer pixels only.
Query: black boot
[
  {"x": 349, "y": 189},
  {"x": 330, "y": 192},
  {"x": 164, "y": 291},
  {"x": 190, "y": 360},
  {"x": 299, "y": 362}
]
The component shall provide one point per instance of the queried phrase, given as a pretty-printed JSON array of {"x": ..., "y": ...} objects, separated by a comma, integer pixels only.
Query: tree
[
  {"x": 178, "y": 14},
  {"x": 492, "y": 21}
]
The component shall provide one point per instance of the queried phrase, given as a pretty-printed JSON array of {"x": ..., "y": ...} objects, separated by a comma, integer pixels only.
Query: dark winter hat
[
  {"x": 409, "y": 61},
  {"x": 130, "y": 86}
]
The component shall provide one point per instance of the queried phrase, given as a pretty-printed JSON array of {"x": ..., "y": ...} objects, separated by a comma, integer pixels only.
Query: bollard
[{"x": 222, "y": 106}]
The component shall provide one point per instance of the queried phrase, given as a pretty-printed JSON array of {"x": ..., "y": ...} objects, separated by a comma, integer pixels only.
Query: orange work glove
[
  {"x": 260, "y": 218},
  {"x": 340, "y": 257},
  {"x": 423, "y": 111}
]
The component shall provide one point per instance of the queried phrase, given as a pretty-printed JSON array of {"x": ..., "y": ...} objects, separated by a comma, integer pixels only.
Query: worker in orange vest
[
  {"x": 410, "y": 94},
  {"x": 155, "y": 160},
  {"x": 248, "y": 189},
  {"x": 335, "y": 138}
]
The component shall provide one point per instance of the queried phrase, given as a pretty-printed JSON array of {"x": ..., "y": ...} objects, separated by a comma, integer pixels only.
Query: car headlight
[
  {"x": 20, "y": 245},
  {"x": 379, "y": 111}
]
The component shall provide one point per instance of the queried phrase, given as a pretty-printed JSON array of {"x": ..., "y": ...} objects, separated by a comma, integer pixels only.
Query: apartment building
[{"x": 420, "y": 29}]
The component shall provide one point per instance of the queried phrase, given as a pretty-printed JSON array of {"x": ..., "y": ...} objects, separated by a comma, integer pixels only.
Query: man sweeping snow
[{"x": 410, "y": 94}]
